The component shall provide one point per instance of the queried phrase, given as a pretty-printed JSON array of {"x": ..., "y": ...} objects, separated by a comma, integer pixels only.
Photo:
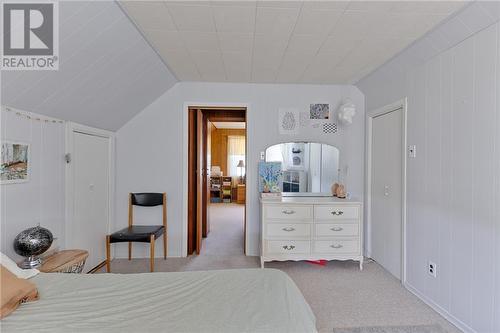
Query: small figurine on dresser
[
  {"x": 340, "y": 193},
  {"x": 338, "y": 189}
]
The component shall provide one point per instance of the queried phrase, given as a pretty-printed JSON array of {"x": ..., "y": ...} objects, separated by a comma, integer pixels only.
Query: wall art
[
  {"x": 319, "y": 111},
  {"x": 288, "y": 121},
  {"x": 15, "y": 162}
]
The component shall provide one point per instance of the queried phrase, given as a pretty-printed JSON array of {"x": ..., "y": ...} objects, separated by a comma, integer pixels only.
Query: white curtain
[{"x": 235, "y": 154}]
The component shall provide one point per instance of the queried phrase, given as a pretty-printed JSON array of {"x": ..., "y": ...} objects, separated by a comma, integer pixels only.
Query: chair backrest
[{"x": 147, "y": 200}]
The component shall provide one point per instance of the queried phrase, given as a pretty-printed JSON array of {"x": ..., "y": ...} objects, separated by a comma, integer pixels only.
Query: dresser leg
[
  {"x": 261, "y": 262},
  {"x": 361, "y": 264}
]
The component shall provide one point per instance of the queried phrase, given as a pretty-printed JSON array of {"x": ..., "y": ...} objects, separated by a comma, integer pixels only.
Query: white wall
[
  {"x": 150, "y": 147},
  {"x": 41, "y": 199},
  {"x": 453, "y": 215}
]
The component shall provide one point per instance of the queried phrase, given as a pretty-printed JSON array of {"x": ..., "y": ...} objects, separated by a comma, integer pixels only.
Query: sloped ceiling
[
  {"x": 330, "y": 42},
  {"x": 107, "y": 71}
]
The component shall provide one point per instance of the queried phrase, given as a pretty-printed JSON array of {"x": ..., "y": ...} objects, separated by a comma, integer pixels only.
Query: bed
[{"x": 246, "y": 300}]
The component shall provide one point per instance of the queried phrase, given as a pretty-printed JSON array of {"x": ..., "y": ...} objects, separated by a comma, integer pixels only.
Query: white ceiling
[
  {"x": 107, "y": 71},
  {"x": 229, "y": 125},
  {"x": 283, "y": 41}
]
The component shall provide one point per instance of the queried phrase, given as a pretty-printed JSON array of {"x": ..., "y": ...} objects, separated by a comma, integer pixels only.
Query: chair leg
[
  {"x": 152, "y": 259},
  {"x": 129, "y": 250},
  {"x": 165, "y": 246},
  {"x": 108, "y": 254}
]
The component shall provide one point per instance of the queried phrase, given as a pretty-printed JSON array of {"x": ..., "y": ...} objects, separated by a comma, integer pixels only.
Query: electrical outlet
[
  {"x": 412, "y": 151},
  {"x": 432, "y": 269},
  {"x": 262, "y": 155}
]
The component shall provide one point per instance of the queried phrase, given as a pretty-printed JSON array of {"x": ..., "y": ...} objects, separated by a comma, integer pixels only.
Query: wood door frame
[
  {"x": 185, "y": 165},
  {"x": 403, "y": 105},
  {"x": 69, "y": 181}
]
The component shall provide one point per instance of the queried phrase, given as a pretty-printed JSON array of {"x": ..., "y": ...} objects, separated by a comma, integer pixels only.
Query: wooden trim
[
  {"x": 165, "y": 225},
  {"x": 130, "y": 210},
  {"x": 152, "y": 254},
  {"x": 108, "y": 254},
  {"x": 98, "y": 267},
  {"x": 191, "y": 208}
]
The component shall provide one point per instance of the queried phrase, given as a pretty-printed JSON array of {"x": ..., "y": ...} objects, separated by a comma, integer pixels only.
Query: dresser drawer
[
  {"x": 337, "y": 212},
  {"x": 288, "y": 212},
  {"x": 288, "y": 247},
  {"x": 336, "y": 246},
  {"x": 289, "y": 230},
  {"x": 336, "y": 229}
]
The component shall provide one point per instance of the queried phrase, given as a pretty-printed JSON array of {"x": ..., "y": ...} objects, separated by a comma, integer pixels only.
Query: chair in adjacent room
[{"x": 141, "y": 233}]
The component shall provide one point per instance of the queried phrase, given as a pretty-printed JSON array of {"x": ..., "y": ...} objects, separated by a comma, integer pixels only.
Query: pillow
[
  {"x": 16, "y": 270},
  {"x": 14, "y": 291}
]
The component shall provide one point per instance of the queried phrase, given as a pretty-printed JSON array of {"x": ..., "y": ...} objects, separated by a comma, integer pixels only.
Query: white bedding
[{"x": 248, "y": 300}]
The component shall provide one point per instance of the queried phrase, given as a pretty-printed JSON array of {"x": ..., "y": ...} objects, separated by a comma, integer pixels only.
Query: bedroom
[{"x": 420, "y": 214}]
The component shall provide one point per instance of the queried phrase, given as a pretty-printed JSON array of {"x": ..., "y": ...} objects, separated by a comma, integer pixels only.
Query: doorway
[
  {"x": 216, "y": 180},
  {"x": 387, "y": 187}
]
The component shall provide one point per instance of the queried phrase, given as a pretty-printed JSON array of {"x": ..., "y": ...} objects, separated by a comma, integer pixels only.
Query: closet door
[
  {"x": 386, "y": 190},
  {"x": 90, "y": 172}
]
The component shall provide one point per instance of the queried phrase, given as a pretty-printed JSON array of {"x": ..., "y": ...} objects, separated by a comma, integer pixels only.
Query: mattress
[{"x": 246, "y": 300}]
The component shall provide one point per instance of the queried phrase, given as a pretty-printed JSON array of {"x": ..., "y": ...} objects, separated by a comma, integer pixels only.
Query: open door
[{"x": 200, "y": 179}]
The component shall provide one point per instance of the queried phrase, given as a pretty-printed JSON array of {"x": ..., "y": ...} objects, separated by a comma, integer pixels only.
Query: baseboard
[
  {"x": 452, "y": 319},
  {"x": 96, "y": 268}
]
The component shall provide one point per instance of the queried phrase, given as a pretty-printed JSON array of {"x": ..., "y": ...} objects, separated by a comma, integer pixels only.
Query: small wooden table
[
  {"x": 66, "y": 261},
  {"x": 241, "y": 194}
]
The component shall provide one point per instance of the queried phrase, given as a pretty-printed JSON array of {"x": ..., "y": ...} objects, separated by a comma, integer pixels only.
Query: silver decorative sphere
[{"x": 31, "y": 243}]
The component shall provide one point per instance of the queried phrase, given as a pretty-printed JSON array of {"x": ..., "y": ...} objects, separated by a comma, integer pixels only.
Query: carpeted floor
[{"x": 339, "y": 294}]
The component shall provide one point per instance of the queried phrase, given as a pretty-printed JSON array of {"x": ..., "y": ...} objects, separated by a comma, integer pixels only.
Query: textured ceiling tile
[
  {"x": 276, "y": 20},
  {"x": 236, "y": 42},
  {"x": 319, "y": 22},
  {"x": 192, "y": 18},
  {"x": 234, "y": 19},
  {"x": 210, "y": 65},
  {"x": 200, "y": 41},
  {"x": 151, "y": 15}
]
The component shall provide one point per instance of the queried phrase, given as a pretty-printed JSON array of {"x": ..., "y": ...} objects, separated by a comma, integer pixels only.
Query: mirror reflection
[{"x": 308, "y": 167}]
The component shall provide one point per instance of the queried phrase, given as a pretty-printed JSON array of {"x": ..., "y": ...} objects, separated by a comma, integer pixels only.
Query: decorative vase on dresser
[{"x": 311, "y": 228}]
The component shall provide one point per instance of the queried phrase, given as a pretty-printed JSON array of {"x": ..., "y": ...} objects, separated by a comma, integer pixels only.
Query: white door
[
  {"x": 386, "y": 190},
  {"x": 90, "y": 166}
]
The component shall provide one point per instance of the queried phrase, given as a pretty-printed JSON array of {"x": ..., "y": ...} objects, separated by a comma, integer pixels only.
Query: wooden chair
[{"x": 141, "y": 233}]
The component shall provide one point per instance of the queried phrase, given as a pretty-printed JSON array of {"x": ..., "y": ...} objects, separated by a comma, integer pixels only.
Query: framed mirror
[{"x": 309, "y": 168}]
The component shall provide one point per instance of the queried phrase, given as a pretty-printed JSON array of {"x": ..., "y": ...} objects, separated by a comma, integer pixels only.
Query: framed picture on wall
[
  {"x": 319, "y": 111},
  {"x": 15, "y": 162}
]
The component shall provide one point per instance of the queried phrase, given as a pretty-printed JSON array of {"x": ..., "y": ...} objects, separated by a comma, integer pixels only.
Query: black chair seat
[{"x": 137, "y": 233}]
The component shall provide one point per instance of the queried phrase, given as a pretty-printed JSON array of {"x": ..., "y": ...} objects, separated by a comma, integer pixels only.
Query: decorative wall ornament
[
  {"x": 304, "y": 119},
  {"x": 319, "y": 111},
  {"x": 15, "y": 162},
  {"x": 329, "y": 128},
  {"x": 288, "y": 121},
  {"x": 346, "y": 112}
]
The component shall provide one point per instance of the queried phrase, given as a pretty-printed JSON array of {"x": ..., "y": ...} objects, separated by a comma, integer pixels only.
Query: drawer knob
[
  {"x": 337, "y": 212},
  {"x": 338, "y": 246},
  {"x": 288, "y": 211},
  {"x": 288, "y": 229},
  {"x": 289, "y": 247},
  {"x": 336, "y": 229}
]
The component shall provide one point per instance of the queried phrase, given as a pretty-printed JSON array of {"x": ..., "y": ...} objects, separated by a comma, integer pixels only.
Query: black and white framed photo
[{"x": 319, "y": 111}]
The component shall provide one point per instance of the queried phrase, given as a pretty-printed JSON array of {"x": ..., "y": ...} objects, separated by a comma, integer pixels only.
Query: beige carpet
[{"x": 340, "y": 295}]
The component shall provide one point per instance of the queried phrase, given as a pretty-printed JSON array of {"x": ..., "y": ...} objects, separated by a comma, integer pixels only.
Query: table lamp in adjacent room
[{"x": 241, "y": 165}]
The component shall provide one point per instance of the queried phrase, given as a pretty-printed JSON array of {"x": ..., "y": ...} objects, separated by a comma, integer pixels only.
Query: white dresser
[{"x": 311, "y": 228}]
